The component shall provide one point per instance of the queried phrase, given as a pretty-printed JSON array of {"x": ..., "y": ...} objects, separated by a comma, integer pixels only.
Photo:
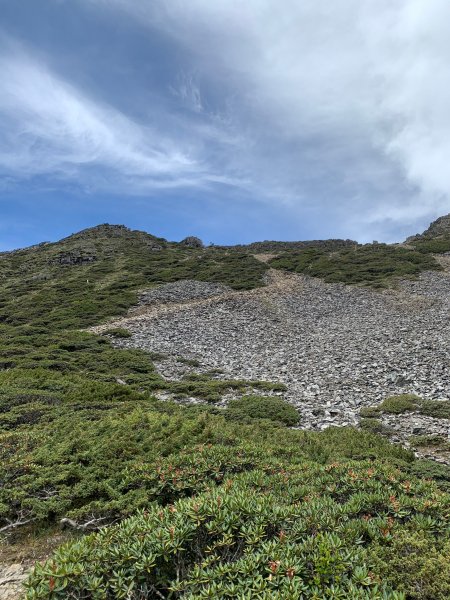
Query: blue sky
[{"x": 229, "y": 120}]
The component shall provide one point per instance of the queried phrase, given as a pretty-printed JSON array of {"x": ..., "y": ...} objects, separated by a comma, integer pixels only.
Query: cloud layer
[
  {"x": 337, "y": 109},
  {"x": 52, "y": 128}
]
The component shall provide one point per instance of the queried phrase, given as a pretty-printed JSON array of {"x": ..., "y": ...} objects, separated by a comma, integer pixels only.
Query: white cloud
[
  {"x": 352, "y": 94},
  {"x": 335, "y": 107},
  {"x": 50, "y": 127}
]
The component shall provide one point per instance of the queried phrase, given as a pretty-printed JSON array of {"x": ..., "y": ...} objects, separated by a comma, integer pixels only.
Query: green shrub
[
  {"x": 414, "y": 564},
  {"x": 400, "y": 404},
  {"x": 79, "y": 460},
  {"x": 369, "y": 412},
  {"x": 430, "y": 440},
  {"x": 119, "y": 332},
  {"x": 373, "y": 425},
  {"x": 264, "y": 407},
  {"x": 435, "y": 246},
  {"x": 430, "y": 469},
  {"x": 439, "y": 409},
  {"x": 191, "y": 362},
  {"x": 377, "y": 265},
  {"x": 303, "y": 531}
]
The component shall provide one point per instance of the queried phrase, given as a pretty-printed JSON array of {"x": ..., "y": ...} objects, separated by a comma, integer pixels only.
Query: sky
[{"x": 233, "y": 121}]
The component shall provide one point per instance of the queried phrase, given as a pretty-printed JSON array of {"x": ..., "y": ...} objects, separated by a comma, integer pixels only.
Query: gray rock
[
  {"x": 192, "y": 242},
  {"x": 337, "y": 348}
]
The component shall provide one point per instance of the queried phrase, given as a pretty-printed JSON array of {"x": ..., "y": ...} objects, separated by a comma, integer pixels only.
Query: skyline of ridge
[
  {"x": 99, "y": 227},
  {"x": 308, "y": 121}
]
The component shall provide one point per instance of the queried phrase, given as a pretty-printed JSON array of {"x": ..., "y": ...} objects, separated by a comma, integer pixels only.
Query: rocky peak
[
  {"x": 115, "y": 236},
  {"x": 439, "y": 227},
  {"x": 103, "y": 230},
  {"x": 192, "y": 242}
]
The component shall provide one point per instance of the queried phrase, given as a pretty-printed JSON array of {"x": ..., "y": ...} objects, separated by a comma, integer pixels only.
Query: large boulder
[{"x": 192, "y": 242}]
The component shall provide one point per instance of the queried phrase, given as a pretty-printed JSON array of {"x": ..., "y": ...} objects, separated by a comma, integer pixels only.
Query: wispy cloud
[
  {"x": 319, "y": 108},
  {"x": 51, "y": 127},
  {"x": 352, "y": 97}
]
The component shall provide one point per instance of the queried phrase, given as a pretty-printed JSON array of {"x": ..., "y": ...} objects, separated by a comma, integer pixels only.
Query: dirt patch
[
  {"x": 265, "y": 257},
  {"x": 17, "y": 559}
]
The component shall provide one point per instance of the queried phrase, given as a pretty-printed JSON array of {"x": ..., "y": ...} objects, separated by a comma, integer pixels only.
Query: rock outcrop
[
  {"x": 192, "y": 242},
  {"x": 76, "y": 257},
  {"x": 438, "y": 228}
]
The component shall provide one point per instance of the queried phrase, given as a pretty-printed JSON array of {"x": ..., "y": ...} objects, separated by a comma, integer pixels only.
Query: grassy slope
[
  {"x": 77, "y": 444},
  {"x": 37, "y": 290},
  {"x": 377, "y": 265}
]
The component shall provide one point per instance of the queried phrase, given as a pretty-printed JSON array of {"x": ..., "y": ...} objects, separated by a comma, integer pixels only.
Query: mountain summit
[{"x": 437, "y": 229}]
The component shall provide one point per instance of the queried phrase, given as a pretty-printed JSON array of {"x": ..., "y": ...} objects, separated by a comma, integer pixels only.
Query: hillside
[{"x": 217, "y": 422}]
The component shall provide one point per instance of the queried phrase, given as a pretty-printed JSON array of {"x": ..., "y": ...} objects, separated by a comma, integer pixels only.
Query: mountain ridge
[{"x": 438, "y": 228}]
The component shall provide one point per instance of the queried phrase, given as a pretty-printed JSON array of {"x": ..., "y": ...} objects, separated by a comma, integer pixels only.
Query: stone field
[{"x": 337, "y": 348}]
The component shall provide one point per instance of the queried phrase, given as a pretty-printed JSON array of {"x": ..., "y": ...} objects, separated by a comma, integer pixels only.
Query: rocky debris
[
  {"x": 408, "y": 424},
  {"x": 265, "y": 257},
  {"x": 11, "y": 579},
  {"x": 337, "y": 348},
  {"x": 75, "y": 257},
  {"x": 401, "y": 428},
  {"x": 192, "y": 242},
  {"x": 437, "y": 228},
  {"x": 182, "y": 291}
]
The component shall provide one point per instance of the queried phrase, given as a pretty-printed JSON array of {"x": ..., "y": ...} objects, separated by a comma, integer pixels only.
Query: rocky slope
[{"x": 337, "y": 348}]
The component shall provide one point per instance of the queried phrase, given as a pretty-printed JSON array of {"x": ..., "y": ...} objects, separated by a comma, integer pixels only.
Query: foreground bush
[
  {"x": 104, "y": 462},
  {"x": 304, "y": 531},
  {"x": 400, "y": 404},
  {"x": 415, "y": 564}
]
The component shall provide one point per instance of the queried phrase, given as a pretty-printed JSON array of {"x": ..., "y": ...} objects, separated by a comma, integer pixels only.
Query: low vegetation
[
  {"x": 377, "y": 265},
  {"x": 118, "y": 332},
  {"x": 374, "y": 425},
  {"x": 38, "y": 289},
  {"x": 438, "y": 245},
  {"x": 270, "y": 529},
  {"x": 396, "y": 405},
  {"x": 435, "y": 441},
  {"x": 168, "y": 501},
  {"x": 264, "y": 407}
]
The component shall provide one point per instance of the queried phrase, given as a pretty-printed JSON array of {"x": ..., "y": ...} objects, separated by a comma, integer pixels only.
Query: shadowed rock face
[{"x": 74, "y": 258}]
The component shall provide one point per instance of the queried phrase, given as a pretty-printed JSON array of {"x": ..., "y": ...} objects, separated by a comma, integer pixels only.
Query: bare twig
[
  {"x": 94, "y": 523},
  {"x": 13, "y": 524}
]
